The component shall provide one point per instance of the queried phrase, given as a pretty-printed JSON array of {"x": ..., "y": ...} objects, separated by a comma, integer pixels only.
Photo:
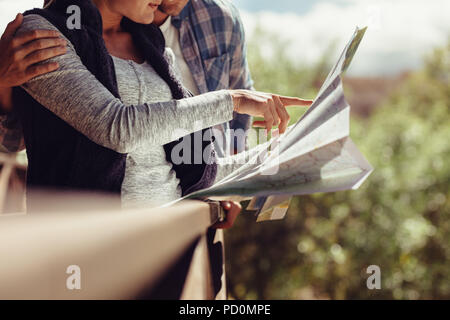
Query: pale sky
[{"x": 400, "y": 31}]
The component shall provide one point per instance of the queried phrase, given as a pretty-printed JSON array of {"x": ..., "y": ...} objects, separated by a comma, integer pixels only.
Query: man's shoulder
[
  {"x": 217, "y": 8},
  {"x": 225, "y": 5}
]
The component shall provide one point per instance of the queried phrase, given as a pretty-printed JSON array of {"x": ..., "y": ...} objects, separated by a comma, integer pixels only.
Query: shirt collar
[{"x": 165, "y": 26}]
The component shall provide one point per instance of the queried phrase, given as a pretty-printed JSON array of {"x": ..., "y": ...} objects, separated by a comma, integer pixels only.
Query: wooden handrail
[{"x": 119, "y": 253}]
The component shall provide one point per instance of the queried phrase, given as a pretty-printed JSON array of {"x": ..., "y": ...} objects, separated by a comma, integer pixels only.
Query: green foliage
[
  {"x": 399, "y": 219},
  {"x": 274, "y": 71}
]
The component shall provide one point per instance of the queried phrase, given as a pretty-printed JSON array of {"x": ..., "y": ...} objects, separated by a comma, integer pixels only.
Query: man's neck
[{"x": 160, "y": 18}]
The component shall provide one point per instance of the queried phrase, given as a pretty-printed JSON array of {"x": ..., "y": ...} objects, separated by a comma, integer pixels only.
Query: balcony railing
[{"x": 116, "y": 254}]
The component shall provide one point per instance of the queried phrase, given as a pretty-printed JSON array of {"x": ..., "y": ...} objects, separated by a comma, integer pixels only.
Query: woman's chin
[{"x": 147, "y": 19}]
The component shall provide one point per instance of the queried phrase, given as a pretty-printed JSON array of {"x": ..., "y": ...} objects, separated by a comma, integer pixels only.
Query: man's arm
[
  {"x": 19, "y": 58},
  {"x": 240, "y": 77},
  {"x": 11, "y": 134},
  {"x": 5, "y": 100}
]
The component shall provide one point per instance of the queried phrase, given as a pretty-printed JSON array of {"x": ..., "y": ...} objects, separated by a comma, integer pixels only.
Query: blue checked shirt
[{"x": 212, "y": 39}]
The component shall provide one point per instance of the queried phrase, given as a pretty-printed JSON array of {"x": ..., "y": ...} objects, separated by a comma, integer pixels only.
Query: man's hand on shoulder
[{"x": 20, "y": 56}]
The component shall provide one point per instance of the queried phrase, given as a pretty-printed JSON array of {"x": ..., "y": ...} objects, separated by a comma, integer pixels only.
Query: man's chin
[
  {"x": 168, "y": 11},
  {"x": 162, "y": 10}
]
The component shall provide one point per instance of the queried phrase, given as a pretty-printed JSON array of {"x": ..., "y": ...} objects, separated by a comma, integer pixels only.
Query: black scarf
[{"x": 59, "y": 157}]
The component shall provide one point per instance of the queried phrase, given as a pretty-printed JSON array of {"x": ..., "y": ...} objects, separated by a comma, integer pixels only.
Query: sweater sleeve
[{"x": 77, "y": 97}]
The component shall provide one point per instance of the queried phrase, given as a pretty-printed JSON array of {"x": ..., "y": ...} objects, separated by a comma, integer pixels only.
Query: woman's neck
[
  {"x": 111, "y": 20},
  {"x": 118, "y": 42}
]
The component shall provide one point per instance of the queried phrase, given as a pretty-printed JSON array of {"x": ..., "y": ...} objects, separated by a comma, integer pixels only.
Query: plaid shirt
[
  {"x": 213, "y": 43},
  {"x": 212, "y": 40}
]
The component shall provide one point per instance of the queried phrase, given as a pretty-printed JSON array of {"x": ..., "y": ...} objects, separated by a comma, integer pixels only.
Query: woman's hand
[
  {"x": 233, "y": 209},
  {"x": 270, "y": 106},
  {"x": 20, "y": 54}
]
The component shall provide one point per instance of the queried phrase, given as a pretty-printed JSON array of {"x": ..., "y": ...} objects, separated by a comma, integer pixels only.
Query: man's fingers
[
  {"x": 226, "y": 205},
  {"x": 34, "y": 35},
  {"x": 38, "y": 45},
  {"x": 41, "y": 69},
  {"x": 13, "y": 26},
  {"x": 232, "y": 213},
  {"x": 291, "y": 101},
  {"x": 45, "y": 54}
]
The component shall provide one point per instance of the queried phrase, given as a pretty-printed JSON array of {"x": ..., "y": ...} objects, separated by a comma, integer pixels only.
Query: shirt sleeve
[
  {"x": 240, "y": 77},
  {"x": 11, "y": 134},
  {"x": 77, "y": 97}
]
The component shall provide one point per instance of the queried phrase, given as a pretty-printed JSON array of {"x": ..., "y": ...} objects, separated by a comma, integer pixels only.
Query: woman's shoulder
[{"x": 34, "y": 22}]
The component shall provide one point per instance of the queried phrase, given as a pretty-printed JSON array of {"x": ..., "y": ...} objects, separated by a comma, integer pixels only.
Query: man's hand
[
  {"x": 20, "y": 54},
  {"x": 233, "y": 209}
]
